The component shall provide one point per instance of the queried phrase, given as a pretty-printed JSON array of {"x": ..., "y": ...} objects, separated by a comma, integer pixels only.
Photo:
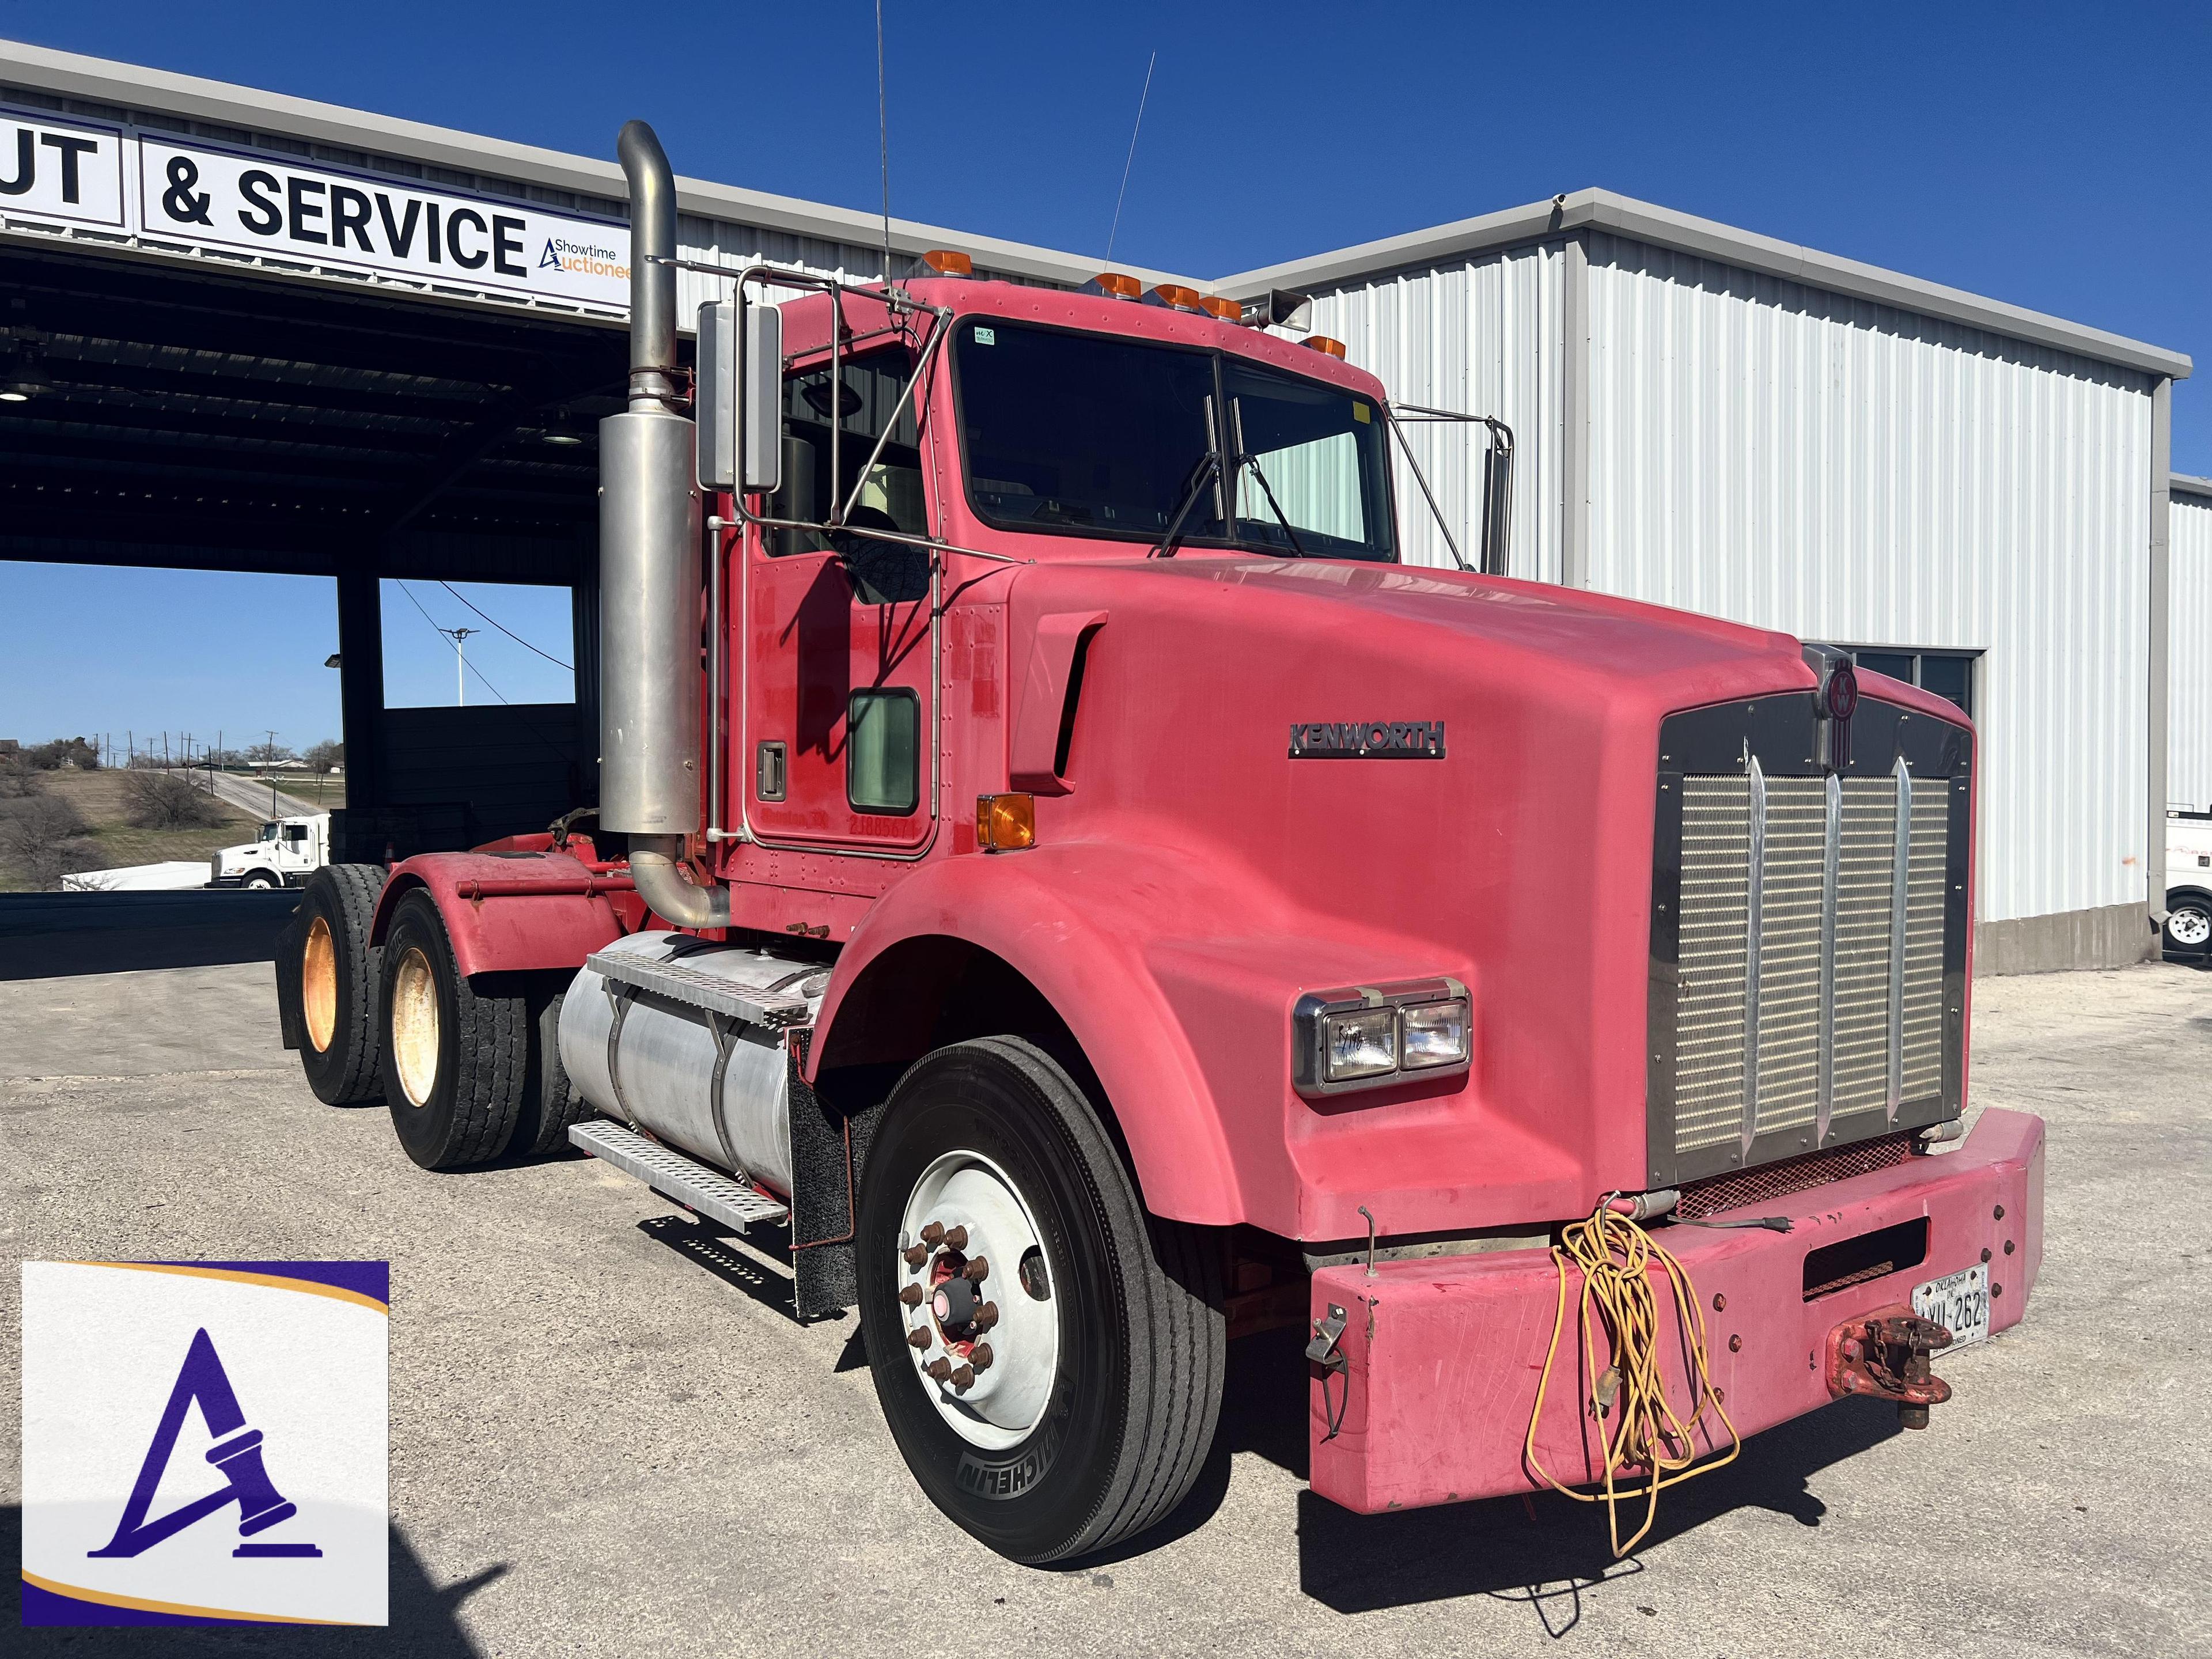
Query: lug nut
[
  {"x": 911, "y": 1295},
  {"x": 917, "y": 1256},
  {"x": 981, "y": 1356},
  {"x": 955, "y": 1238},
  {"x": 933, "y": 1234},
  {"x": 918, "y": 1338},
  {"x": 978, "y": 1270},
  {"x": 985, "y": 1317},
  {"x": 939, "y": 1369},
  {"x": 963, "y": 1379}
]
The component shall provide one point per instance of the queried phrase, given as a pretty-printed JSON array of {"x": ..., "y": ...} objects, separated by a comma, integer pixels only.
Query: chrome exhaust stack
[{"x": 649, "y": 572}]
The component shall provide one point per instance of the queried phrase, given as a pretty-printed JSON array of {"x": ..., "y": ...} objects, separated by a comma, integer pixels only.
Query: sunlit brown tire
[
  {"x": 337, "y": 987},
  {"x": 456, "y": 1058}
]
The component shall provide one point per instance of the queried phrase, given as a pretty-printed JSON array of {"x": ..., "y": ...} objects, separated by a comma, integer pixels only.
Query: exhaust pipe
[{"x": 649, "y": 573}]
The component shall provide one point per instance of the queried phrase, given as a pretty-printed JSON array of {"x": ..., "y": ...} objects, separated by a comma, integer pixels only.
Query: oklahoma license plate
[{"x": 1960, "y": 1303}]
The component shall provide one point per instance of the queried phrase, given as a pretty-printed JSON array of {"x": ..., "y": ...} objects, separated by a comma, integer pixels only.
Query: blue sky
[{"x": 2051, "y": 156}]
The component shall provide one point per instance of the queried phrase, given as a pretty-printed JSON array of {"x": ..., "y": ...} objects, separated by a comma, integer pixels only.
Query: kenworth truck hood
[{"x": 1506, "y": 841}]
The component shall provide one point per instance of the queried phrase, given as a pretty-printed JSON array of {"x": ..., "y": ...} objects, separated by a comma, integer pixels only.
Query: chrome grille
[{"x": 1809, "y": 956}]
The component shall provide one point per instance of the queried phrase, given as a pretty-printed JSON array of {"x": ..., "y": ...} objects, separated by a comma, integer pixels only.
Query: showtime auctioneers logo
[{"x": 204, "y": 1443}]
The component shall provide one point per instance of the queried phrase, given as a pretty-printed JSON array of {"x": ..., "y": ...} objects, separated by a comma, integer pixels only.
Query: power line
[
  {"x": 504, "y": 628},
  {"x": 446, "y": 632},
  {"x": 1131, "y": 162}
]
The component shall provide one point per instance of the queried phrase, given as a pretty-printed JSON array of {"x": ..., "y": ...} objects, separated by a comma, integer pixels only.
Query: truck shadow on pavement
[
  {"x": 424, "y": 1622},
  {"x": 1545, "y": 1549}
]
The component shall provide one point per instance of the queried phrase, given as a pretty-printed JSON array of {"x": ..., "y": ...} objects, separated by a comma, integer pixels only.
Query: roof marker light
[
  {"x": 1173, "y": 295},
  {"x": 1322, "y": 342},
  {"x": 945, "y": 262},
  {"x": 1228, "y": 310},
  {"x": 1115, "y": 285}
]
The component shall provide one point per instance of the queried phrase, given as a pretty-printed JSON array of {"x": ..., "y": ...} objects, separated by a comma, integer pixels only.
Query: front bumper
[{"x": 1442, "y": 1356}]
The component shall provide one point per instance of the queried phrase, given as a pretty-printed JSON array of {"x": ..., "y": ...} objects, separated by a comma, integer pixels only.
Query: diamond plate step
[
  {"x": 688, "y": 986},
  {"x": 668, "y": 1172}
]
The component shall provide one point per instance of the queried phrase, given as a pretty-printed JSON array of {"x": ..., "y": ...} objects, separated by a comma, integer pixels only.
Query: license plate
[{"x": 1960, "y": 1303}]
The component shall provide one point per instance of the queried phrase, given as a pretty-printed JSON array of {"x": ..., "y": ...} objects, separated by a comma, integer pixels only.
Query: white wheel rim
[
  {"x": 2191, "y": 926},
  {"x": 415, "y": 1027},
  {"x": 318, "y": 984},
  {"x": 1004, "y": 1401}
]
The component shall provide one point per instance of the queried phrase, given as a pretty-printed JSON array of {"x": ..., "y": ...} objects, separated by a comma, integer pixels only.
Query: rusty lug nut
[
  {"x": 917, "y": 1256},
  {"x": 978, "y": 1270},
  {"x": 2008, "y": 1247},
  {"x": 963, "y": 1379},
  {"x": 955, "y": 1238},
  {"x": 981, "y": 1356},
  {"x": 2000, "y": 1212},
  {"x": 1985, "y": 1253},
  {"x": 985, "y": 1317},
  {"x": 911, "y": 1296},
  {"x": 1720, "y": 1302},
  {"x": 933, "y": 1234},
  {"x": 1735, "y": 1345},
  {"x": 939, "y": 1369},
  {"x": 917, "y": 1339},
  {"x": 1851, "y": 1349}
]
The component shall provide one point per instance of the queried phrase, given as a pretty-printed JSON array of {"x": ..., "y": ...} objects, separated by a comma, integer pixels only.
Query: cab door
[{"x": 838, "y": 696}]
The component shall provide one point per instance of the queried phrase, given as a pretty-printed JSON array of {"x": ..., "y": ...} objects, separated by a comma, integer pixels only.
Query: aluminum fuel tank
[{"x": 666, "y": 1057}]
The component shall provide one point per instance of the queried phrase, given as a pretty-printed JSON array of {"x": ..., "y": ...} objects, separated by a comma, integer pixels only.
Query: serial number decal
[{"x": 1368, "y": 740}]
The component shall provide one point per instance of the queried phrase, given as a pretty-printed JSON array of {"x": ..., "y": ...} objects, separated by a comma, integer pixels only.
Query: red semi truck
[{"x": 1056, "y": 859}]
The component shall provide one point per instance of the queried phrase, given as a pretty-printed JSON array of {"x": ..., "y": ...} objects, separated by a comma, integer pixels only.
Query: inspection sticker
[{"x": 205, "y": 1443}]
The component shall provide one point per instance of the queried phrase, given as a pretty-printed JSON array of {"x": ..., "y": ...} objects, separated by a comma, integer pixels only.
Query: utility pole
[
  {"x": 269, "y": 761},
  {"x": 460, "y": 662}
]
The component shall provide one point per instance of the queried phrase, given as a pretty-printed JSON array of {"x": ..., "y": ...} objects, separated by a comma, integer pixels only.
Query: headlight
[
  {"x": 1357, "y": 1045},
  {"x": 1434, "y": 1034},
  {"x": 1365, "y": 1036}
]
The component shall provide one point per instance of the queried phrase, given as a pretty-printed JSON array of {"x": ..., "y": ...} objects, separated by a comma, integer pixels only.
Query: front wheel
[
  {"x": 1047, "y": 1356},
  {"x": 260, "y": 881},
  {"x": 2188, "y": 923}
]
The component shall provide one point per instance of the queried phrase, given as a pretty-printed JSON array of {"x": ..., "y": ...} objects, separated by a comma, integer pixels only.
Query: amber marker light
[
  {"x": 1228, "y": 310},
  {"x": 946, "y": 263},
  {"x": 1175, "y": 295},
  {"x": 1323, "y": 343},
  {"x": 1116, "y": 286},
  {"x": 1004, "y": 823}
]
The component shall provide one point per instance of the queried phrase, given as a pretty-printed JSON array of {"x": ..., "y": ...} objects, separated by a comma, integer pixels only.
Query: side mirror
[{"x": 740, "y": 395}]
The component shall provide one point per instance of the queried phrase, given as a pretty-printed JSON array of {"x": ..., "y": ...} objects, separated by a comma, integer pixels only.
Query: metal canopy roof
[{"x": 203, "y": 417}]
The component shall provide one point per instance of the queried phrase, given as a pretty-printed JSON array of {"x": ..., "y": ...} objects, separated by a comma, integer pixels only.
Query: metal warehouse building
[
  {"x": 386, "y": 362},
  {"x": 1974, "y": 494},
  {"x": 2189, "y": 765}
]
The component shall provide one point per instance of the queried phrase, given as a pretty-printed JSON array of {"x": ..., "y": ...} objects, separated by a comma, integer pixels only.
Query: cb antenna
[
  {"x": 1127, "y": 164},
  {"x": 884, "y": 142}
]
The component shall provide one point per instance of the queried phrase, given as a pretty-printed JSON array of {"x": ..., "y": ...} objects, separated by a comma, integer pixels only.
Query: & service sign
[
  {"x": 205, "y": 1443},
  {"x": 206, "y": 195}
]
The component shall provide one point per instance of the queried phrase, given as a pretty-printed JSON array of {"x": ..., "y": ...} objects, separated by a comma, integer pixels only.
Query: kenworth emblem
[{"x": 1368, "y": 740}]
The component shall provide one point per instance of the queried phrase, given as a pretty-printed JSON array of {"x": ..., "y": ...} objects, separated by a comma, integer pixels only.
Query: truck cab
[
  {"x": 1063, "y": 877},
  {"x": 283, "y": 853}
]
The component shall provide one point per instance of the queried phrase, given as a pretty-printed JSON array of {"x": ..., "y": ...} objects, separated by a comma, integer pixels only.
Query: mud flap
[{"x": 291, "y": 1022}]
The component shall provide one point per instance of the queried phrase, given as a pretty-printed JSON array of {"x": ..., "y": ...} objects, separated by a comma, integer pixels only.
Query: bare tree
[
  {"x": 267, "y": 753},
  {"x": 44, "y": 836},
  {"x": 161, "y": 800},
  {"x": 325, "y": 757}
]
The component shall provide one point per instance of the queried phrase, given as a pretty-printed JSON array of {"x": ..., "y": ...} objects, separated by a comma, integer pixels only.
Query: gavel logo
[{"x": 237, "y": 1453}]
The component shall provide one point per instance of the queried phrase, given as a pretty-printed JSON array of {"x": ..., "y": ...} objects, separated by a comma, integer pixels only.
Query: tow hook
[{"x": 1883, "y": 1355}]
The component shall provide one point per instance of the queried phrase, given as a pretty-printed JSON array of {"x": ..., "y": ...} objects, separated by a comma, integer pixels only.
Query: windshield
[
  {"x": 267, "y": 833},
  {"x": 1097, "y": 435}
]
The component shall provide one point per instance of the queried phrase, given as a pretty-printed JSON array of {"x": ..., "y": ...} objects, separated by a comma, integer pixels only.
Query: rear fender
[{"x": 506, "y": 932}]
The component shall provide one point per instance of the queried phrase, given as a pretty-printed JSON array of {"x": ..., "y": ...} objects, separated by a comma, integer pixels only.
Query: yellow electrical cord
[{"x": 1638, "y": 1427}]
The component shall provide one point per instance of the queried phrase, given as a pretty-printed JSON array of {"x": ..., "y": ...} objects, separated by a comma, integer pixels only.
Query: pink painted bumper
[{"x": 1443, "y": 1355}]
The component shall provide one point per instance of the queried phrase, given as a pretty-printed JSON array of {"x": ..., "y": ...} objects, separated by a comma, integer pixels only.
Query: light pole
[{"x": 461, "y": 661}]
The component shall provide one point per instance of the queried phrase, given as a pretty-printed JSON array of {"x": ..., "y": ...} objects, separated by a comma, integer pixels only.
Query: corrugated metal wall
[
  {"x": 1794, "y": 459},
  {"x": 1482, "y": 338},
  {"x": 2189, "y": 654}
]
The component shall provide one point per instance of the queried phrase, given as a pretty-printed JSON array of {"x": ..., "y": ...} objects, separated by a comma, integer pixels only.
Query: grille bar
[
  {"x": 1754, "y": 919},
  {"x": 1900, "y": 886}
]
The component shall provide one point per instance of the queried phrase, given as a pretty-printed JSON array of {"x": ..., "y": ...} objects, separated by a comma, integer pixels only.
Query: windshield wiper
[
  {"x": 1206, "y": 470},
  {"x": 1275, "y": 507}
]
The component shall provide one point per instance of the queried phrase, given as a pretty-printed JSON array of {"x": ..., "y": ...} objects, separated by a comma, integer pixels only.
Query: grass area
[{"x": 99, "y": 796}]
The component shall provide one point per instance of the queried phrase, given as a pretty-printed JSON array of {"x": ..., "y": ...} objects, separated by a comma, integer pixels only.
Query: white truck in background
[
  {"x": 2188, "y": 929},
  {"x": 284, "y": 854}
]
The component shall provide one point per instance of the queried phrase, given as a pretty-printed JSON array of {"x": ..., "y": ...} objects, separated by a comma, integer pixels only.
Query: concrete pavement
[{"x": 607, "y": 1439}]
